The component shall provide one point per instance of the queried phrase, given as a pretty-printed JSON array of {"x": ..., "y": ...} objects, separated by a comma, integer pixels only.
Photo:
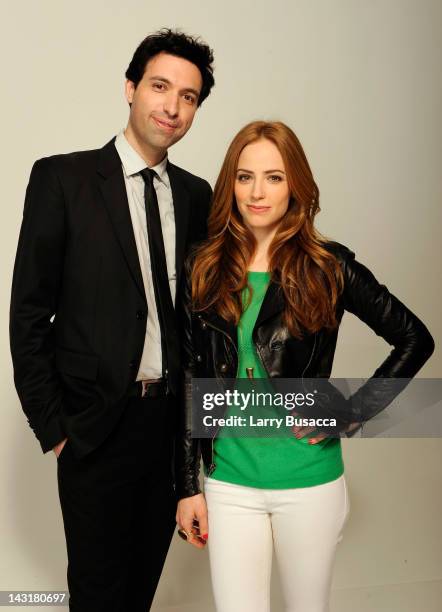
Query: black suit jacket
[{"x": 78, "y": 307}]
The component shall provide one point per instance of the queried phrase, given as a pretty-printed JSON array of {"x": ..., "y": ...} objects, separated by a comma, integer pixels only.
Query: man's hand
[
  {"x": 59, "y": 447},
  {"x": 192, "y": 509}
]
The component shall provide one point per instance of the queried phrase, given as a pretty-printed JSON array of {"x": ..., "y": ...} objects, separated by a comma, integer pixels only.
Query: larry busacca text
[{"x": 274, "y": 422}]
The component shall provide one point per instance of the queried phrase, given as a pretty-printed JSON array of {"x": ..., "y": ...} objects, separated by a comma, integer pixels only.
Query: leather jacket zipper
[
  {"x": 212, "y": 465},
  {"x": 308, "y": 364},
  {"x": 221, "y": 331},
  {"x": 310, "y": 360},
  {"x": 261, "y": 357}
]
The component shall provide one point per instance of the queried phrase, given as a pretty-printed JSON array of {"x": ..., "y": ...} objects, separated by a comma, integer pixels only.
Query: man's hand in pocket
[{"x": 59, "y": 447}]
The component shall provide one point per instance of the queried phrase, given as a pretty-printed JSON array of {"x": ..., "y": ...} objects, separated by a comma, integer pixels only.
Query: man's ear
[{"x": 129, "y": 90}]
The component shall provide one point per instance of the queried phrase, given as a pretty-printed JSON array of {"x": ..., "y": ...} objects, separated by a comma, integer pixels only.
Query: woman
[{"x": 264, "y": 296}]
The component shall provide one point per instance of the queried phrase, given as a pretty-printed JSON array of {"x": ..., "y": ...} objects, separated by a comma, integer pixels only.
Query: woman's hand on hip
[
  {"x": 192, "y": 518},
  {"x": 300, "y": 432}
]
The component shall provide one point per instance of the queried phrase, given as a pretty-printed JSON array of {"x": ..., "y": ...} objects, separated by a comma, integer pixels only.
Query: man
[{"x": 93, "y": 336}]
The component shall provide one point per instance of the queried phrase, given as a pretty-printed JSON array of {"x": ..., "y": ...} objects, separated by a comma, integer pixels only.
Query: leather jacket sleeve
[
  {"x": 389, "y": 318},
  {"x": 188, "y": 449}
]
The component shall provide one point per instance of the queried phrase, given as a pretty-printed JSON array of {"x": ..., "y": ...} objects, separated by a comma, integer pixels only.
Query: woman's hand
[
  {"x": 300, "y": 432},
  {"x": 193, "y": 510}
]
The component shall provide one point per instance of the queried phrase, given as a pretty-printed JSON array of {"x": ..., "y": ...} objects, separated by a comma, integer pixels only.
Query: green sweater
[{"x": 270, "y": 462}]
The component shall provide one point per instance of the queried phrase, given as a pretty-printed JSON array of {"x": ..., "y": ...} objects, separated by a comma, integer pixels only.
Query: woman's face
[{"x": 261, "y": 190}]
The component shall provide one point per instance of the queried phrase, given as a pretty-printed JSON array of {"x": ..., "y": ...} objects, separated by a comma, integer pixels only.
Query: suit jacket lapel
[
  {"x": 181, "y": 205},
  {"x": 114, "y": 193}
]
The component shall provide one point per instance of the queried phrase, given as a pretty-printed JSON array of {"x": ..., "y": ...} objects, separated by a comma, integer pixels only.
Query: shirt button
[
  {"x": 223, "y": 367},
  {"x": 203, "y": 325},
  {"x": 199, "y": 358},
  {"x": 140, "y": 315}
]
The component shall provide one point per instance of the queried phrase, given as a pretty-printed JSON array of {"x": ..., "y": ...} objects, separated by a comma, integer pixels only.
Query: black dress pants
[{"x": 118, "y": 506}]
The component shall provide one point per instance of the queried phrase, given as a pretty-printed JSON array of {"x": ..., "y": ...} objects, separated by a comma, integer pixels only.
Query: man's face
[{"x": 164, "y": 102}]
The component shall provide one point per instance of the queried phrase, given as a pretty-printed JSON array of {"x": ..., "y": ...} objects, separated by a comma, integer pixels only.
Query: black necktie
[{"x": 163, "y": 298}]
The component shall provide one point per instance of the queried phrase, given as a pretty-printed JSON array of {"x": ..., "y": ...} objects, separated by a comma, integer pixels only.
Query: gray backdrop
[{"x": 360, "y": 83}]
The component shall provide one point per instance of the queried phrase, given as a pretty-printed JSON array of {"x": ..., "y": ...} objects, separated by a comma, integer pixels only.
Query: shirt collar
[{"x": 133, "y": 163}]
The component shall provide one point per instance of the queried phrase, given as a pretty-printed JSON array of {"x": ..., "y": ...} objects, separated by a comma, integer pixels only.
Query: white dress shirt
[{"x": 132, "y": 163}]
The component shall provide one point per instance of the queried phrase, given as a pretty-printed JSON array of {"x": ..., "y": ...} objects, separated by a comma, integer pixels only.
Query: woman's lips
[
  {"x": 164, "y": 125},
  {"x": 258, "y": 209}
]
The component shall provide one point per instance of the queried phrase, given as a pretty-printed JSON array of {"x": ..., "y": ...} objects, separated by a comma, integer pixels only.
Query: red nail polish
[{"x": 205, "y": 536}]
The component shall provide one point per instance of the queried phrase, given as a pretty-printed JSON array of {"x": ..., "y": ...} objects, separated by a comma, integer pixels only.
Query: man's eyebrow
[
  {"x": 164, "y": 80},
  {"x": 266, "y": 171}
]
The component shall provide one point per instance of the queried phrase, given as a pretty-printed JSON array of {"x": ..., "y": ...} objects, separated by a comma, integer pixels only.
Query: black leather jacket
[{"x": 209, "y": 346}]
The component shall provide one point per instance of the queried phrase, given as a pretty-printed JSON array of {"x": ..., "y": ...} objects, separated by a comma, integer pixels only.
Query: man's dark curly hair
[{"x": 176, "y": 43}]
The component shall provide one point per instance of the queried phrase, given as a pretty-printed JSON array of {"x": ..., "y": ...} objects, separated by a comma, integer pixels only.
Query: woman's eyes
[{"x": 272, "y": 178}]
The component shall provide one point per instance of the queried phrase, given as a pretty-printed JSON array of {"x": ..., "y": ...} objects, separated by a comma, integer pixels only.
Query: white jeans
[{"x": 304, "y": 527}]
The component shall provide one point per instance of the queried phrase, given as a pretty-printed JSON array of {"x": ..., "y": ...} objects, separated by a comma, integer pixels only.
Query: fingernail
[
  {"x": 205, "y": 536},
  {"x": 312, "y": 441}
]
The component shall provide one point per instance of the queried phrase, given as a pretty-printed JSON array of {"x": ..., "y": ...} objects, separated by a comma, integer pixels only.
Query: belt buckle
[
  {"x": 144, "y": 387},
  {"x": 161, "y": 385},
  {"x": 145, "y": 384}
]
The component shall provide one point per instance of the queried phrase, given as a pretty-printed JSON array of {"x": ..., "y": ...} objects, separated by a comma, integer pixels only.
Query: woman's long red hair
[{"x": 310, "y": 276}]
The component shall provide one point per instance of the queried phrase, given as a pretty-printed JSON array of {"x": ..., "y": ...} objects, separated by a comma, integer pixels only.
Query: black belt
[{"x": 144, "y": 389}]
